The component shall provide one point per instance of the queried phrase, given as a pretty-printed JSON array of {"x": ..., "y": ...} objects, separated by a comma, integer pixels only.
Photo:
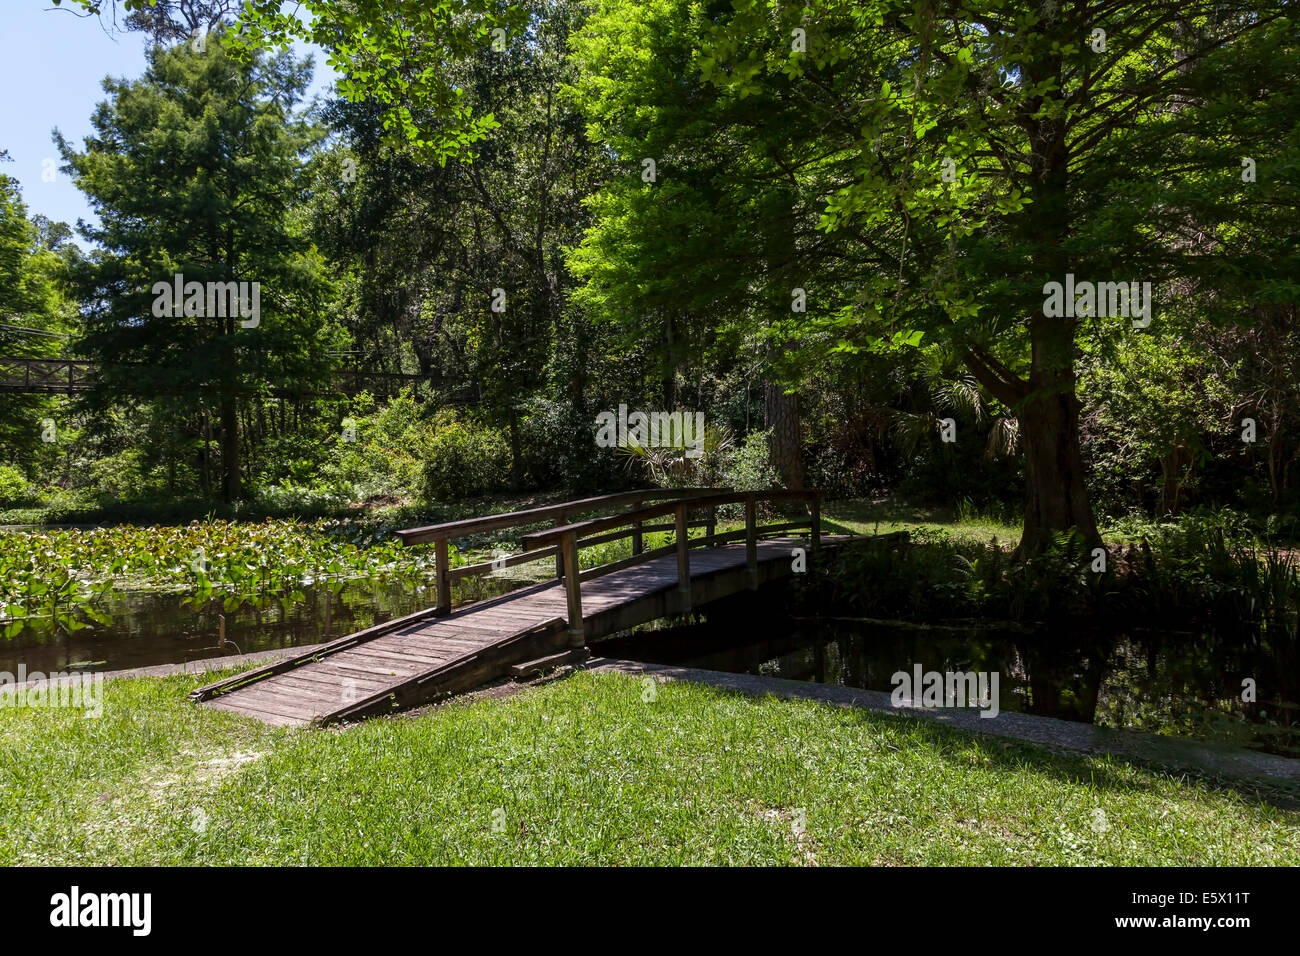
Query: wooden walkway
[{"x": 440, "y": 651}]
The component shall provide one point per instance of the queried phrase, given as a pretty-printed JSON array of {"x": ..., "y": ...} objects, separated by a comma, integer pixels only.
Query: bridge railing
[
  {"x": 572, "y": 538},
  {"x": 439, "y": 535},
  {"x": 45, "y": 375}
]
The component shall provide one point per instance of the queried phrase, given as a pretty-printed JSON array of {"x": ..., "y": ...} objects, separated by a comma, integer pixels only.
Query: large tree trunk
[
  {"x": 781, "y": 413},
  {"x": 230, "y": 484},
  {"x": 1056, "y": 495}
]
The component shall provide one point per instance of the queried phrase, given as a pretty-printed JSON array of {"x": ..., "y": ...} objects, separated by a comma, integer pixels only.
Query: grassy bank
[
  {"x": 886, "y": 516},
  {"x": 589, "y": 771}
]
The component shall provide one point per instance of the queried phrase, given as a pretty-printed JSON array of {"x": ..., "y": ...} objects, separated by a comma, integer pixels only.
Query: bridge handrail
[
  {"x": 566, "y": 538},
  {"x": 560, "y": 513},
  {"x": 595, "y": 525},
  {"x": 511, "y": 519}
]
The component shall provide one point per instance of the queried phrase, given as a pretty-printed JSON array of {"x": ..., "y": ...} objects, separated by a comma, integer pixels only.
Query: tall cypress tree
[{"x": 196, "y": 170}]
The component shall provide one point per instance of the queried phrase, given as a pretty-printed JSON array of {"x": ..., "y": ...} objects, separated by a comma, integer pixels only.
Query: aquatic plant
[{"x": 64, "y": 574}]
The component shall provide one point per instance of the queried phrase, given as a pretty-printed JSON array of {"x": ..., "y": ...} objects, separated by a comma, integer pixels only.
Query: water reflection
[
  {"x": 1180, "y": 684},
  {"x": 1188, "y": 684},
  {"x": 150, "y": 629}
]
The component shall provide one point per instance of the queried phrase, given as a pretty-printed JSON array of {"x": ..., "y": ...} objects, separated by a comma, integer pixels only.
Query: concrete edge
[
  {"x": 1225, "y": 760},
  {"x": 202, "y": 665}
]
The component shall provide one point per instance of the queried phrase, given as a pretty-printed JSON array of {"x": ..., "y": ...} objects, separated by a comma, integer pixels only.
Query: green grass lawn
[
  {"x": 862, "y": 516},
  {"x": 587, "y": 770}
]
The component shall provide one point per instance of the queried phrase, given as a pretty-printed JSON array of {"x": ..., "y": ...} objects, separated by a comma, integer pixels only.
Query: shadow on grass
[
  {"x": 954, "y": 746},
  {"x": 1100, "y": 770}
]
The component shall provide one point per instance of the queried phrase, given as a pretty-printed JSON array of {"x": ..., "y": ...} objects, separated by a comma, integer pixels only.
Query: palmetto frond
[{"x": 1004, "y": 438}]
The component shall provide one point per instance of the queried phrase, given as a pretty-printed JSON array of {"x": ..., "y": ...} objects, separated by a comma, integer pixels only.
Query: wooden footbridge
[{"x": 445, "y": 650}]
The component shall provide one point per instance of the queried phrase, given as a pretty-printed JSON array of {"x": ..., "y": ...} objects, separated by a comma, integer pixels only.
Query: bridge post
[
  {"x": 559, "y": 557},
  {"x": 683, "y": 558},
  {"x": 440, "y": 569},
  {"x": 751, "y": 539},
  {"x": 711, "y": 528},
  {"x": 573, "y": 588},
  {"x": 638, "y": 544}
]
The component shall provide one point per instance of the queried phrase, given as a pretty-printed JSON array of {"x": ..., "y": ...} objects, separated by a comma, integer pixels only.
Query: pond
[
  {"x": 1176, "y": 683},
  {"x": 151, "y": 628},
  {"x": 1173, "y": 683}
]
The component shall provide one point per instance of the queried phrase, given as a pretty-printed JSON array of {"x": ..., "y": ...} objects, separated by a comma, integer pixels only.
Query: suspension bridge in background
[{"x": 68, "y": 376}]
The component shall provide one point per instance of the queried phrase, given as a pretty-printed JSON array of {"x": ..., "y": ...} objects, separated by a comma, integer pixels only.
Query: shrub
[
  {"x": 15, "y": 490},
  {"x": 464, "y": 459},
  {"x": 119, "y": 476},
  {"x": 559, "y": 448},
  {"x": 378, "y": 451},
  {"x": 745, "y": 466},
  {"x": 287, "y": 497},
  {"x": 839, "y": 474}
]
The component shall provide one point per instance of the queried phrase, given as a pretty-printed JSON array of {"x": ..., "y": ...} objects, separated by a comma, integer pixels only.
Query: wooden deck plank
[
  {"x": 350, "y": 666},
  {"x": 378, "y": 651},
  {"x": 344, "y": 672},
  {"x": 298, "y": 695},
  {"x": 243, "y": 710},
  {"x": 435, "y": 641},
  {"x": 277, "y": 703},
  {"x": 330, "y": 683},
  {"x": 386, "y": 666}
]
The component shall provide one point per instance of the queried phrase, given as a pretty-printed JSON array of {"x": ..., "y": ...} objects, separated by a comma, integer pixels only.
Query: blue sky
[{"x": 50, "y": 73}]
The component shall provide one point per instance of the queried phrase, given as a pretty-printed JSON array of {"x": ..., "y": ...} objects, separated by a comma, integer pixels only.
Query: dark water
[
  {"x": 151, "y": 628},
  {"x": 1174, "y": 683}
]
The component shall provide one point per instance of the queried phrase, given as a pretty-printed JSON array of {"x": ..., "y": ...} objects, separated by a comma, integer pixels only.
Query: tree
[
  {"x": 195, "y": 171},
  {"x": 164, "y": 21},
  {"x": 957, "y": 158},
  {"x": 707, "y": 239},
  {"x": 33, "y": 317},
  {"x": 430, "y": 243},
  {"x": 971, "y": 153}
]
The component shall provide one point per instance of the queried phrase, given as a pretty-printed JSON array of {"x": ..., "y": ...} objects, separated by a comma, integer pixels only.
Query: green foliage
[
  {"x": 560, "y": 450},
  {"x": 919, "y": 172},
  {"x": 674, "y": 465},
  {"x": 955, "y": 161},
  {"x": 464, "y": 458},
  {"x": 34, "y": 319},
  {"x": 65, "y": 575},
  {"x": 378, "y": 450},
  {"x": 15, "y": 490},
  {"x": 1207, "y": 570},
  {"x": 195, "y": 169},
  {"x": 745, "y": 466},
  {"x": 289, "y": 497},
  {"x": 1156, "y": 402},
  {"x": 1213, "y": 567}
]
